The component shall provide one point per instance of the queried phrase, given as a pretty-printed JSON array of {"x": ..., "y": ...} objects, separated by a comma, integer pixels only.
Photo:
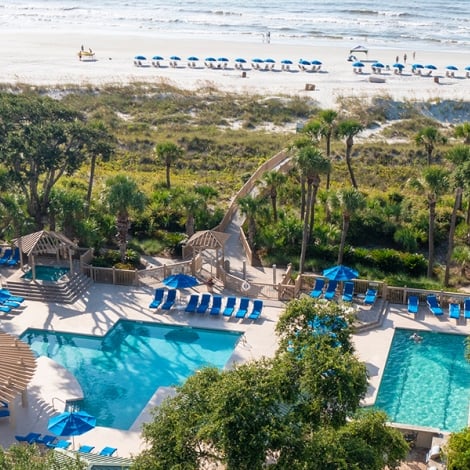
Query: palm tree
[
  {"x": 312, "y": 164},
  {"x": 463, "y": 130},
  {"x": 459, "y": 155},
  {"x": 249, "y": 207},
  {"x": 349, "y": 129},
  {"x": 349, "y": 201},
  {"x": 450, "y": 246},
  {"x": 168, "y": 153},
  {"x": 429, "y": 137},
  {"x": 123, "y": 197},
  {"x": 435, "y": 183},
  {"x": 190, "y": 202},
  {"x": 327, "y": 118},
  {"x": 273, "y": 180}
]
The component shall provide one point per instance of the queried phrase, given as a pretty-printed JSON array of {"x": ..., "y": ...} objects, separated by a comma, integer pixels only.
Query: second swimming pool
[
  {"x": 121, "y": 371},
  {"x": 426, "y": 383}
]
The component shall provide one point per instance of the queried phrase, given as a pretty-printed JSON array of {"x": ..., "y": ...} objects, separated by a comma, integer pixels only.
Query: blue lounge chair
[
  {"x": 243, "y": 308},
  {"x": 413, "y": 304},
  {"x": 6, "y": 256},
  {"x": 216, "y": 305},
  {"x": 47, "y": 439},
  {"x": 433, "y": 305},
  {"x": 256, "y": 311},
  {"x": 158, "y": 298},
  {"x": 192, "y": 304},
  {"x": 318, "y": 288},
  {"x": 348, "y": 291},
  {"x": 30, "y": 438},
  {"x": 371, "y": 297},
  {"x": 5, "y": 309},
  {"x": 466, "y": 308},
  {"x": 15, "y": 259},
  {"x": 331, "y": 290},
  {"x": 4, "y": 411},
  {"x": 62, "y": 444},
  {"x": 10, "y": 296},
  {"x": 170, "y": 300},
  {"x": 229, "y": 306},
  {"x": 107, "y": 451},
  {"x": 85, "y": 449},
  {"x": 454, "y": 311},
  {"x": 204, "y": 305},
  {"x": 8, "y": 303}
]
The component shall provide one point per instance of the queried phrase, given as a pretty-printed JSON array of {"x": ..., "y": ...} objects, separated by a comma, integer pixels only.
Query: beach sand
[{"x": 52, "y": 59}]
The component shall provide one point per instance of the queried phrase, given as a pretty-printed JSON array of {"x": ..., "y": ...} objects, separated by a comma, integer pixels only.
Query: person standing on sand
[
  {"x": 404, "y": 58},
  {"x": 397, "y": 59},
  {"x": 268, "y": 37}
]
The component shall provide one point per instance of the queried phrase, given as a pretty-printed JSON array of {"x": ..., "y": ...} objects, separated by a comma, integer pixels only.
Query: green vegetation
[
  {"x": 299, "y": 408},
  {"x": 189, "y": 153}
]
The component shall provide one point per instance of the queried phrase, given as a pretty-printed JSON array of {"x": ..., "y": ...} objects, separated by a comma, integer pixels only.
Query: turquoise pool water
[
  {"x": 121, "y": 371},
  {"x": 47, "y": 273},
  {"x": 426, "y": 383}
]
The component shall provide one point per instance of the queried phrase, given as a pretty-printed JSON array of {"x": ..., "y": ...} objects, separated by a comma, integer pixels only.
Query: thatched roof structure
[{"x": 43, "y": 242}]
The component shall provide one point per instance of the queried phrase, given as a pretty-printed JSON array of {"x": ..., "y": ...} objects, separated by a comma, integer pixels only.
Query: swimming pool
[
  {"x": 46, "y": 273},
  {"x": 426, "y": 383},
  {"x": 121, "y": 371}
]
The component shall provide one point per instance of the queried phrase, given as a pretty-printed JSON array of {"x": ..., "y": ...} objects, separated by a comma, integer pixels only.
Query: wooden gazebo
[{"x": 44, "y": 243}]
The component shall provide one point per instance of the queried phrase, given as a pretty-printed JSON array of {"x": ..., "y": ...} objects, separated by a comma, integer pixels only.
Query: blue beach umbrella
[
  {"x": 175, "y": 57},
  {"x": 286, "y": 61},
  {"x": 193, "y": 58},
  {"x": 430, "y": 67},
  {"x": 358, "y": 64},
  {"x": 417, "y": 66},
  {"x": 240, "y": 60},
  {"x": 157, "y": 57},
  {"x": 340, "y": 273},
  {"x": 258, "y": 61},
  {"x": 467, "y": 67},
  {"x": 398, "y": 66},
  {"x": 316, "y": 62},
  {"x": 222, "y": 59},
  {"x": 304, "y": 62},
  {"x": 180, "y": 281},
  {"x": 452, "y": 67},
  {"x": 378, "y": 65},
  {"x": 210, "y": 59},
  {"x": 140, "y": 57}
]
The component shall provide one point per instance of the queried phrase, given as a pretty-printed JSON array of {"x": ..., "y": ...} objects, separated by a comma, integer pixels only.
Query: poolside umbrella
[
  {"x": 340, "y": 273},
  {"x": 358, "y": 64},
  {"x": 71, "y": 423},
  {"x": 180, "y": 281},
  {"x": 452, "y": 67}
]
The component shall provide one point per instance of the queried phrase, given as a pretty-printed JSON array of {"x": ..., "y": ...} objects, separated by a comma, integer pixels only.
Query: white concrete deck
[{"x": 104, "y": 305}]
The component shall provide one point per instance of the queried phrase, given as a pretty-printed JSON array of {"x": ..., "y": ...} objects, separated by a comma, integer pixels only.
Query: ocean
[{"x": 417, "y": 25}]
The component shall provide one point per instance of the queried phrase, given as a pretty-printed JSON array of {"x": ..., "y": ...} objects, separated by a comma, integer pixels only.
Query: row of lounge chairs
[
  {"x": 9, "y": 301},
  {"x": 212, "y": 304},
  {"x": 347, "y": 294},
  {"x": 162, "y": 302},
  {"x": 436, "y": 309},
  {"x": 10, "y": 258},
  {"x": 53, "y": 443}
]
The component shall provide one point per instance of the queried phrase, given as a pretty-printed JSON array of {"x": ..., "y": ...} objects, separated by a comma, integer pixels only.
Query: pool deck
[{"x": 103, "y": 305}]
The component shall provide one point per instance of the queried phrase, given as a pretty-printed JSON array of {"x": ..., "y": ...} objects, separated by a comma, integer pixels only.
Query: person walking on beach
[
  {"x": 268, "y": 37},
  {"x": 404, "y": 58},
  {"x": 397, "y": 59}
]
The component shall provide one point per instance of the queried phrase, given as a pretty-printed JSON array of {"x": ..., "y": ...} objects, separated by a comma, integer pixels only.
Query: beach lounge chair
[
  {"x": 30, "y": 438},
  {"x": 85, "y": 449},
  {"x": 15, "y": 259},
  {"x": 170, "y": 300},
  {"x": 47, "y": 439},
  {"x": 4, "y": 411},
  {"x": 433, "y": 305},
  {"x": 10, "y": 296},
  {"x": 454, "y": 311},
  {"x": 62, "y": 444},
  {"x": 348, "y": 291},
  {"x": 6, "y": 256},
  {"x": 192, "y": 304},
  {"x": 243, "y": 307},
  {"x": 204, "y": 305},
  {"x": 433, "y": 453},
  {"x": 331, "y": 290},
  {"x": 5, "y": 309},
  {"x": 216, "y": 305},
  {"x": 466, "y": 308},
  {"x": 229, "y": 306},
  {"x": 317, "y": 288},
  {"x": 8, "y": 303},
  {"x": 413, "y": 304},
  {"x": 107, "y": 451},
  {"x": 158, "y": 298},
  {"x": 256, "y": 310},
  {"x": 371, "y": 297}
]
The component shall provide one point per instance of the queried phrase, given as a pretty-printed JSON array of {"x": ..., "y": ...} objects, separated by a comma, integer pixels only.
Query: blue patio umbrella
[
  {"x": 140, "y": 57},
  {"x": 270, "y": 61},
  {"x": 222, "y": 59},
  {"x": 378, "y": 65},
  {"x": 193, "y": 58},
  {"x": 286, "y": 61},
  {"x": 398, "y": 66},
  {"x": 340, "y": 273},
  {"x": 430, "y": 67},
  {"x": 240, "y": 60},
  {"x": 316, "y": 62},
  {"x": 417, "y": 66},
  {"x": 157, "y": 57},
  {"x": 452, "y": 67},
  {"x": 467, "y": 67},
  {"x": 71, "y": 423},
  {"x": 257, "y": 60},
  {"x": 304, "y": 62},
  {"x": 210, "y": 59},
  {"x": 180, "y": 281},
  {"x": 175, "y": 57},
  {"x": 358, "y": 64}
]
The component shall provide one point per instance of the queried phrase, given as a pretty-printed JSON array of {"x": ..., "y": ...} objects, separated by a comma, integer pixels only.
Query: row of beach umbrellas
[{"x": 398, "y": 65}]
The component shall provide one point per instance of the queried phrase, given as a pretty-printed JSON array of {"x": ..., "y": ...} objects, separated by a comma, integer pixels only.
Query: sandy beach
[{"x": 52, "y": 59}]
